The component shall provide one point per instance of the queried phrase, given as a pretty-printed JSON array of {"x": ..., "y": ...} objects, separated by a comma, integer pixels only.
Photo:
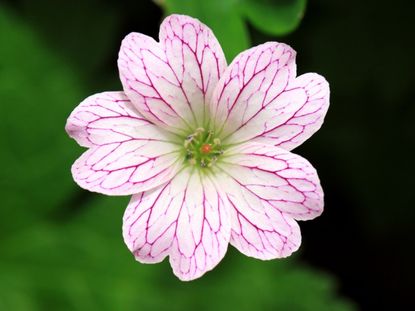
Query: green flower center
[{"x": 202, "y": 148}]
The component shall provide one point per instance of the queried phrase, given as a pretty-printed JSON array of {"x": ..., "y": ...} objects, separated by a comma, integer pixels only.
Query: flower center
[{"x": 202, "y": 148}]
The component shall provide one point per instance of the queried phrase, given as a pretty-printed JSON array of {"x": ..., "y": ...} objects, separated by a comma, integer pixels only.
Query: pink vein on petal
[
  {"x": 287, "y": 181},
  {"x": 171, "y": 81},
  {"x": 259, "y": 97},
  {"x": 258, "y": 229},
  {"x": 184, "y": 219},
  {"x": 311, "y": 94},
  {"x": 268, "y": 188},
  {"x": 250, "y": 83},
  {"x": 127, "y": 153}
]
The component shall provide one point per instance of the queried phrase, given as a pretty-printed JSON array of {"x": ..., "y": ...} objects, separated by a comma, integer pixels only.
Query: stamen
[
  {"x": 213, "y": 161},
  {"x": 202, "y": 148},
  {"x": 210, "y": 133},
  {"x": 188, "y": 141},
  {"x": 199, "y": 130},
  {"x": 218, "y": 152}
]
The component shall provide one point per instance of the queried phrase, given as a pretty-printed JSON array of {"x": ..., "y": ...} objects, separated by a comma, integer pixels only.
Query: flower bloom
[{"x": 203, "y": 148}]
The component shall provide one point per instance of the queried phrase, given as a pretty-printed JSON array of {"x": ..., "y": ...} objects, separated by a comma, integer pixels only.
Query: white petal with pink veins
[
  {"x": 311, "y": 93},
  {"x": 254, "y": 78},
  {"x": 287, "y": 181},
  {"x": 259, "y": 230},
  {"x": 259, "y": 96},
  {"x": 268, "y": 187},
  {"x": 127, "y": 154},
  {"x": 185, "y": 219},
  {"x": 171, "y": 81}
]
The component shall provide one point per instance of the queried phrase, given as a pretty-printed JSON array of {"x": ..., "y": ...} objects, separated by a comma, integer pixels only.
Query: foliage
[
  {"x": 37, "y": 92},
  {"x": 227, "y": 18},
  {"x": 83, "y": 265}
]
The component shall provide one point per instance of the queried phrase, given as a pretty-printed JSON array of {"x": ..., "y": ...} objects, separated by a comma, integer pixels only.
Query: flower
[{"x": 204, "y": 148}]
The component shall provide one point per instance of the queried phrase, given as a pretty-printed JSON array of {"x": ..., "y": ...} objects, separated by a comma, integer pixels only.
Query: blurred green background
[{"x": 61, "y": 247}]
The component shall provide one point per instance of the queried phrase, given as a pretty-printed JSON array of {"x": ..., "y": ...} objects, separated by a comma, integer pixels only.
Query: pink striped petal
[
  {"x": 260, "y": 96},
  {"x": 268, "y": 188},
  {"x": 185, "y": 219},
  {"x": 286, "y": 180},
  {"x": 310, "y": 94},
  {"x": 127, "y": 154},
  {"x": 258, "y": 229},
  {"x": 171, "y": 81}
]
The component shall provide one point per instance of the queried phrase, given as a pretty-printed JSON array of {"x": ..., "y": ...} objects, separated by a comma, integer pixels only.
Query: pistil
[{"x": 202, "y": 148}]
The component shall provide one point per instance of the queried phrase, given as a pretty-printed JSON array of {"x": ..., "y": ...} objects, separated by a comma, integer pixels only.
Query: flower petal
[
  {"x": 286, "y": 180},
  {"x": 258, "y": 95},
  {"x": 311, "y": 94},
  {"x": 127, "y": 153},
  {"x": 268, "y": 187},
  {"x": 258, "y": 229},
  {"x": 185, "y": 219},
  {"x": 249, "y": 84},
  {"x": 170, "y": 82}
]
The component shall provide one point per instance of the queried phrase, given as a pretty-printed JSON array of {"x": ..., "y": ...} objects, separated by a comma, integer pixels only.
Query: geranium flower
[{"x": 204, "y": 148}]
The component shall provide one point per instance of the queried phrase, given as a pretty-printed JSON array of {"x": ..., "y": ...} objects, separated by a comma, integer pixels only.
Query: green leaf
[
  {"x": 226, "y": 18},
  {"x": 222, "y": 16},
  {"x": 274, "y": 17},
  {"x": 38, "y": 91},
  {"x": 84, "y": 265}
]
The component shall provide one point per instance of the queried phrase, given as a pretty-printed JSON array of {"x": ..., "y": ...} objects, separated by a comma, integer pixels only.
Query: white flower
[{"x": 204, "y": 148}]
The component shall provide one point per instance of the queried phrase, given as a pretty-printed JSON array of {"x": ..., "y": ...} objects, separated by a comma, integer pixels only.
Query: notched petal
[
  {"x": 259, "y": 230},
  {"x": 286, "y": 180},
  {"x": 185, "y": 219},
  {"x": 259, "y": 97},
  {"x": 250, "y": 84},
  {"x": 268, "y": 189},
  {"x": 311, "y": 93},
  {"x": 93, "y": 118},
  {"x": 171, "y": 81},
  {"x": 127, "y": 153}
]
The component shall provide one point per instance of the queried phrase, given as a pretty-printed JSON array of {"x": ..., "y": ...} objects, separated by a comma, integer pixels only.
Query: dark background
[{"x": 363, "y": 153}]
